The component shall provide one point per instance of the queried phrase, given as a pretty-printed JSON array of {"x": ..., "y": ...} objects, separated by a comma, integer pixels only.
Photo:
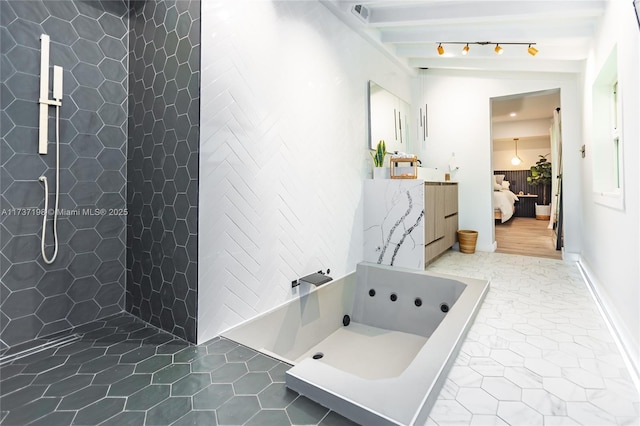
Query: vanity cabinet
[
  {"x": 408, "y": 222},
  {"x": 441, "y": 218}
]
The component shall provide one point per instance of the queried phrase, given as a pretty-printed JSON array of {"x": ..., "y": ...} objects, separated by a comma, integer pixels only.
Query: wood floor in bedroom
[{"x": 527, "y": 237}]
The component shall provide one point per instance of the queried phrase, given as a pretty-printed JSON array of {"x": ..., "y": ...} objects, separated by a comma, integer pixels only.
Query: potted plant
[
  {"x": 541, "y": 175},
  {"x": 379, "y": 171}
]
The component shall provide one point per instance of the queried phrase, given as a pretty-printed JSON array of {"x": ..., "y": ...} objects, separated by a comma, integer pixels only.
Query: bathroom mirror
[{"x": 388, "y": 119}]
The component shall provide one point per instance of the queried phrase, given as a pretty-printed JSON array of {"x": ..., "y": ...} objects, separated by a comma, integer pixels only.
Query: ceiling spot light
[
  {"x": 513, "y": 114},
  {"x": 516, "y": 160},
  {"x": 498, "y": 46}
]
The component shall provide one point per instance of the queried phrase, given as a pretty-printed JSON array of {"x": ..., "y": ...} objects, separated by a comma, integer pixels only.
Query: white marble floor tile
[
  {"x": 518, "y": 413},
  {"x": 542, "y": 342},
  {"x": 502, "y": 389},
  {"x": 487, "y": 420},
  {"x": 475, "y": 349},
  {"x": 526, "y": 350},
  {"x": 582, "y": 377},
  {"x": 464, "y": 376},
  {"x": 544, "y": 402},
  {"x": 507, "y": 358},
  {"x": 523, "y": 377},
  {"x": 588, "y": 414},
  {"x": 564, "y": 389},
  {"x": 600, "y": 368},
  {"x": 449, "y": 390},
  {"x": 449, "y": 412},
  {"x": 609, "y": 402},
  {"x": 561, "y": 359},
  {"x": 539, "y": 351},
  {"x": 486, "y": 366},
  {"x": 559, "y": 421},
  {"x": 542, "y": 367},
  {"x": 477, "y": 401}
]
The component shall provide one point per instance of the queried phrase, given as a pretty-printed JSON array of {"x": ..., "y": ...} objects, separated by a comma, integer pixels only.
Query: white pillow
[
  {"x": 499, "y": 179},
  {"x": 506, "y": 184},
  {"x": 496, "y": 187}
]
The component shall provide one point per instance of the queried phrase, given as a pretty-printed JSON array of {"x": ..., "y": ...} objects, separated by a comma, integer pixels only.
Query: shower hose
[{"x": 46, "y": 199}]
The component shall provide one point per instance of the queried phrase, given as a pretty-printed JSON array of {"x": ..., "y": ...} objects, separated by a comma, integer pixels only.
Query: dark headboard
[{"x": 518, "y": 179}]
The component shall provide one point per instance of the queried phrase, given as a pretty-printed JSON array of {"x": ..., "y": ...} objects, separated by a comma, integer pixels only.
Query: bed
[{"x": 503, "y": 200}]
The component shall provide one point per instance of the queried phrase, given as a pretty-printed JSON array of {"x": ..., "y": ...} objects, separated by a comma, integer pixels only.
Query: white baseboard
[
  {"x": 488, "y": 248},
  {"x": 570, "y": 257},
  {"x": 628, "y": 347}
]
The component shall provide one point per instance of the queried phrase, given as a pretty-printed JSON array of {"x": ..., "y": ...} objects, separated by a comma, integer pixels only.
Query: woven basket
[{"x": 467, "y": 240}]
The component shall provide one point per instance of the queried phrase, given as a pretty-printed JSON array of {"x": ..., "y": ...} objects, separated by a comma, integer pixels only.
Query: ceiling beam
[
  {"x": 512, "y": 32},
  {"x": 555, "y": 66},
  {"x": 434, "y": 12}
]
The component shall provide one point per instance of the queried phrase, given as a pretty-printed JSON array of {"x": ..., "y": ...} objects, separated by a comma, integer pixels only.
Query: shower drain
[
  {"x": 317, "y": 355},
  {"x": 49, "y": 344}
]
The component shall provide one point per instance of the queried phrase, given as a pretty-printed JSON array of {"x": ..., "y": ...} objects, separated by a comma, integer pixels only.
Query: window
[
  {"x": 607, "y": 137},
  {"x": 615, "y": 134}
]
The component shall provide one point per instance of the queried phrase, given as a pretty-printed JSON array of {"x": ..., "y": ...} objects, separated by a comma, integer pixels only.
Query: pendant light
[
  {"x": 465, "y": 49},
  {"x": 498, "y": 49},
  {"x": 516, "y": 160}
]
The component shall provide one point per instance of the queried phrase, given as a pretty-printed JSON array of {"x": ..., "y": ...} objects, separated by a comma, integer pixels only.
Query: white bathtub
[{"x": 388, "y": 365}]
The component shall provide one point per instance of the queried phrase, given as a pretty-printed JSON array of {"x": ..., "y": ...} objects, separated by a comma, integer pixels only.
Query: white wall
[
  {"x": 611, "y": 249},
  {"x": 283, "y": 152},
  {"x": 460, "y": 122}
]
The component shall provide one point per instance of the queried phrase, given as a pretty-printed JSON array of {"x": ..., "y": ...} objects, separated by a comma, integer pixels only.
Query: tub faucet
[{"x": 317, "y": 279}]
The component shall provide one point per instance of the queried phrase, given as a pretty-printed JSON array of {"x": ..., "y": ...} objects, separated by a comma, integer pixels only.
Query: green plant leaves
[{"x": 381, "y": 152}]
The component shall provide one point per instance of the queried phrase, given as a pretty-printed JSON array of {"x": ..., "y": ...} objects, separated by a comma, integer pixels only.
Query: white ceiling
[
  {"x": 411, "y": 30},
  {"x": 409, "y": 33},
  {"x": 526, "y": 106}
]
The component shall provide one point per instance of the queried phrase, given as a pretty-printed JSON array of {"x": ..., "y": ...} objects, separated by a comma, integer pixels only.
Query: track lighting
[{"x": 498, "y": 49}]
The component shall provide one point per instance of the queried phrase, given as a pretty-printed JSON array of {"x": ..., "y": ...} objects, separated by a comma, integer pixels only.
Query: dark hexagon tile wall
[
  {"x": 89, "y": 39},
  {"x": 162, "y": 185}
]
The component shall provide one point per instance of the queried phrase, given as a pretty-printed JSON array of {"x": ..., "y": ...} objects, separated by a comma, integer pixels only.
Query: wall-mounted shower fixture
[
  {"x": 44, "y": 101},
  {"x": 43, "y": 136},
  {"x": 317, "y": 279}
]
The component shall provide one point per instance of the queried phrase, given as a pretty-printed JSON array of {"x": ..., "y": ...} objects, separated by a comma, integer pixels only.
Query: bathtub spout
[{"x": 316, "y": 279}]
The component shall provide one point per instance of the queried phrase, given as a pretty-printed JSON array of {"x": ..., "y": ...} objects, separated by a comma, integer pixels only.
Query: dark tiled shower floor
[{"x": 122, "y": 371}]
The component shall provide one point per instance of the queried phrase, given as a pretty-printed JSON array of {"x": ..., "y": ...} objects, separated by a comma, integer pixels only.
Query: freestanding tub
[{"x": 387, "y": 364}]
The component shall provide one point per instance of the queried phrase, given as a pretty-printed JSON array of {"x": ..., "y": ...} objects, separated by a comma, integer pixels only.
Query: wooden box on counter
[{"x": 404, "y": 168}]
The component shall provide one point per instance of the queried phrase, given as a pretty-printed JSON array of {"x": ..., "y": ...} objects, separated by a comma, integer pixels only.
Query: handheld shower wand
[{"x": 45, "y": 102}]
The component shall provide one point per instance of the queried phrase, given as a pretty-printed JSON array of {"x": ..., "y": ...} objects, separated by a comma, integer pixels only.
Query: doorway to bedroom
[{"x": 526, "y": 132}]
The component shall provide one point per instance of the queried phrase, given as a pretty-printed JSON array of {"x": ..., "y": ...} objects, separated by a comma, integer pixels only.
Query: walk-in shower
[{"x": 43, "y": 138}]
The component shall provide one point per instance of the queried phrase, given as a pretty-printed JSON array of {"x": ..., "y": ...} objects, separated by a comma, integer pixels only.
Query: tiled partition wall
[
  {"x": 86, "y": 281},
  {"x": 282, "y": 154},
  {"x": 162, "y": 186}
]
